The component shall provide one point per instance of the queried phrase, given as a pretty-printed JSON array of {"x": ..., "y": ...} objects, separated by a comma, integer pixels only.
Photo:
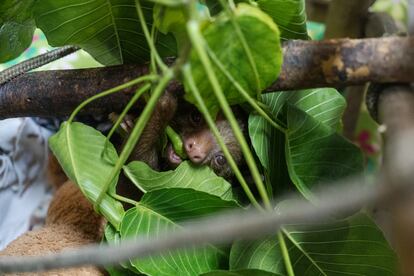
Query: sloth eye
[
  {"x": 195, "y": 118},
  {"x": 220, "y": 160}
]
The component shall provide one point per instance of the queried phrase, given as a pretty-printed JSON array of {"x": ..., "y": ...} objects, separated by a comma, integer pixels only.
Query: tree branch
[{"x": 307, "y": 64}]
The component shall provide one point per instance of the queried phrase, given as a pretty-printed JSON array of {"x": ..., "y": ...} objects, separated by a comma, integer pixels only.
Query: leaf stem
[
  {"x": 150, "y": 42},
  {"x": 109, "y": 92},
  {"x": 136, "y": 133},
  {"x": 123, "y": 199},
  {"x": 198, "y": 43},
  {"x": 285, "y": 254},
  {"x": 203, "y": 108}
]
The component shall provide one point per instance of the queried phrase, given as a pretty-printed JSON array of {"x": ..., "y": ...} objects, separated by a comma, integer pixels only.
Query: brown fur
[
  {"x": 71, "y": 222},
  {"x": 55, "y": 174}
]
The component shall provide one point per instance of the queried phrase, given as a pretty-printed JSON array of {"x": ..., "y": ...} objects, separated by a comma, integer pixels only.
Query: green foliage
[
  {"x": 185, "y": 175},
  {"x": 312, "y": 151},
  {"x": 262, "y": 37},
  {"x": 109, "y": 31},
  {"x": 228, "y": 52},
  {"x": 290, "y": 16},
  {"x": 162, "y": 210},
  {"x": 354, "y": 246},
  {"x": 79, "y": 150},
  {"x": 306, "y": 152}
]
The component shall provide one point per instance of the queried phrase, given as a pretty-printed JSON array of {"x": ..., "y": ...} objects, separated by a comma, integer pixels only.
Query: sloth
[{"x": 199, "y": 142}]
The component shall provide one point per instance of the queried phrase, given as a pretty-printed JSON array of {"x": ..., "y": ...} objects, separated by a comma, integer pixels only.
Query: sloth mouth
[{"x": 172, "y": 156}]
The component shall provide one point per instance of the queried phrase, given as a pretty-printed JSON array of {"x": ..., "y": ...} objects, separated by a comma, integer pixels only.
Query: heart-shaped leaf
[
  {"x": 349, "y": 247},
  {"x": 79, "y": 150},
  {"x": 186, "y": 175},
  {"x": 262, "y": 37},
  {"x": 108, "y": 30}
]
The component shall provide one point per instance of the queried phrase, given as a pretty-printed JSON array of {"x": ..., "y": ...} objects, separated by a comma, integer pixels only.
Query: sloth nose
[{"x": 196, "y": 151}]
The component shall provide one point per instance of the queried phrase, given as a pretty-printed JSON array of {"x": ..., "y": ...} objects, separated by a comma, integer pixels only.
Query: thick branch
[
  {"x": 58, "y": 92},
  {"x": 344, "y": 62},
  {"x": 307, "y": 64}
]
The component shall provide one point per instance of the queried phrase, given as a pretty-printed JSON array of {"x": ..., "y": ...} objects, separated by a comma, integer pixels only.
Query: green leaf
[
  {"x": 348, "y": 247},
  {"x": 141, "y": 222},
  {"x": 316, "y": 153},
  {"x": 262, "y": 37},
  {"x": 173, "y": 20},
  {"x": 243, "y": 272},
  {"x": 16, "y": 28},
  {"x": 324, "y": 104},
  {"x": 290, "y": 17},
  {"x": 186, "y": 175},
  {"x": 179, "y": 204},
  {"x": 109, "y": 30},
  {"x": 78, "y": 149}
]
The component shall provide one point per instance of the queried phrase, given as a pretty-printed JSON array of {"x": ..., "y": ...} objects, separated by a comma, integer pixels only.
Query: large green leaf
[
  {"x": 349, "y": 247},
  {"x": 149, "y": 218},
  {"x": 16, "y": 28},
  {"x": 290, "y": 17},
  {"x": 109, "y": 30},
  {"x": 79, "y": 150},
  {"x": 324, "y": 104},
  {"x": 262, "y": 37},
  {"x": 316, "y": 153},
  {"x": 180, "y": 204},
  {"x": 186, "y": 175}
]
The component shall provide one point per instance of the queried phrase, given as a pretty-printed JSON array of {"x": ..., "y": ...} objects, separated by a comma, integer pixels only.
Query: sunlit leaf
[
  {"x": 79, "y": 150},
  {"x": 349, "y": 247},
  {"x": 186, "y": 175}
]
